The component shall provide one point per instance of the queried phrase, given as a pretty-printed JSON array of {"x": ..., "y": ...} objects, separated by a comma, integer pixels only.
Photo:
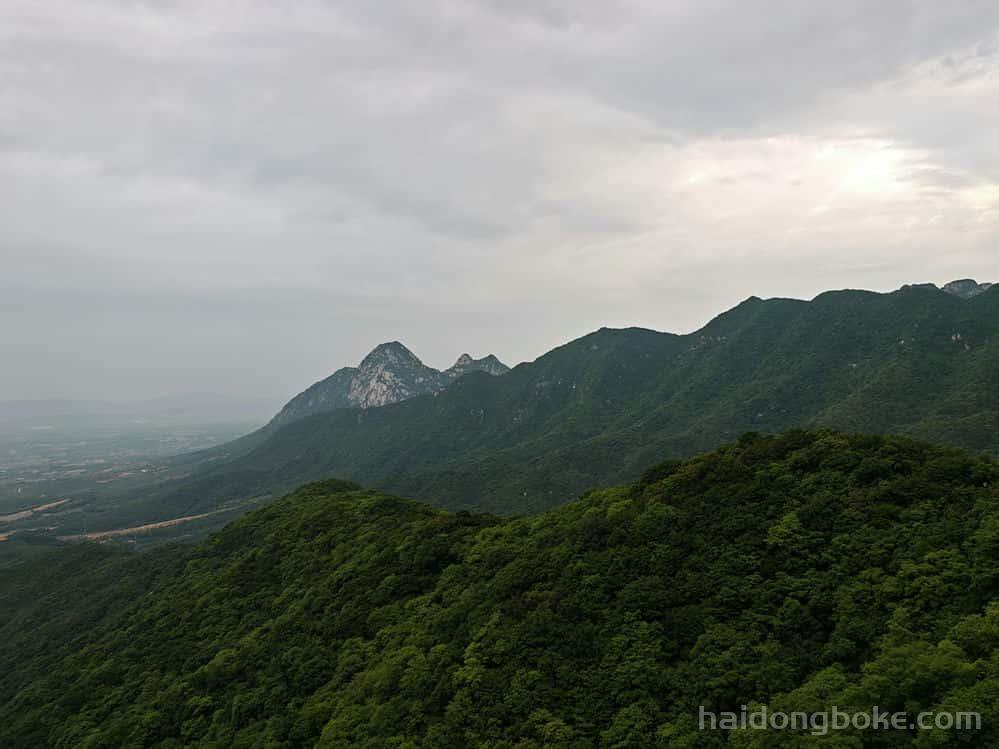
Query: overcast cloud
[{"x": 243, "y": 196}]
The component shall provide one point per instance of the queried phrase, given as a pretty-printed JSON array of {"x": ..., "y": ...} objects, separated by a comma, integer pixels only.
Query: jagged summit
[
  {"x": 388, "y": 374},
  {"x": 966, "y": 288},
  {"x": 391, "y": 351},
  {"x": 492, "y": 365},
  {"x": 465, "y": 364}
]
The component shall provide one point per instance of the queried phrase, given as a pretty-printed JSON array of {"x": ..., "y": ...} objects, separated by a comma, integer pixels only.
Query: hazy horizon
[
  {"x": 275, "y": 400},
  {"x": 242, "y": 198}
]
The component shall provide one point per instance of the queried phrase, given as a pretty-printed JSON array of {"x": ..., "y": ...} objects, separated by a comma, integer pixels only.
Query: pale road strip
[
  {"x": 137, "y": 529},
  {"x": 31, "y": 511}
]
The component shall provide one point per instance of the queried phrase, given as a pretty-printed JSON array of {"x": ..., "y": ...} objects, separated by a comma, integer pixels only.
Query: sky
[{"x": 240, "y": 196}]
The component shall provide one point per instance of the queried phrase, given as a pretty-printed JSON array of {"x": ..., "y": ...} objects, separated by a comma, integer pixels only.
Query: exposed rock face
[
  {"x": 465, "y": 364},
  {"x": 389, "y": 374},
  {"x": 966, "y": 288}
]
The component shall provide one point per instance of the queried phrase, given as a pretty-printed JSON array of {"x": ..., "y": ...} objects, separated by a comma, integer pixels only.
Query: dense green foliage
[
  {"x": 597, "y": 411},
  {"x": 798, "y": 571},
  {"x": 52, "y": 597}
]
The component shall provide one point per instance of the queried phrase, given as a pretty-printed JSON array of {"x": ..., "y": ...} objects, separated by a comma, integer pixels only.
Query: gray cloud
[{"x": 194, "y": 186}]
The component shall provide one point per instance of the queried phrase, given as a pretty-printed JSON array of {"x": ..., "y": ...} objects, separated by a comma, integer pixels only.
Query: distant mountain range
[
  {"x": 922, "y": 361},
  {"x": 389, "y": 374}
]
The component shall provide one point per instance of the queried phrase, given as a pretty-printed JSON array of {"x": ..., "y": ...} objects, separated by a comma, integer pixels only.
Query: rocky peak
[
  {"x": 389, "y": 374},
  {"x": 966, "y": 288},
  {"x": 391, "y": 353},
  {"x": 492, "y": 365},
  {"x": 465, "y": 364}
]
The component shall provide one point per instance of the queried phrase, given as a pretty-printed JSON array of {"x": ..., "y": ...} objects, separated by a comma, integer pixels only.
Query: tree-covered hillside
[
  {"x": 800, "y": 571},
  {"x": 918, "y": 362}
]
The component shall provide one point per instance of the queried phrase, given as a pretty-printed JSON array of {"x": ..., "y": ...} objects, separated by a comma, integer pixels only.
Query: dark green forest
[{"x": 797, "y": 571}]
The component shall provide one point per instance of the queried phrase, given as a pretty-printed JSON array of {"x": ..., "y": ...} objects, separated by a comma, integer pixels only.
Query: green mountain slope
[
  {"x": 918, "y": 362},
  {"x": 801, "y": 571}
]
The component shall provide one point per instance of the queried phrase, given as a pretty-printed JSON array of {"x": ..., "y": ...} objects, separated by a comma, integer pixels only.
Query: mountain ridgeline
[
  {"x": 920, "y": 361},
  {"x": 389, "y": 374},
  {"x": 798, "y": 572}
]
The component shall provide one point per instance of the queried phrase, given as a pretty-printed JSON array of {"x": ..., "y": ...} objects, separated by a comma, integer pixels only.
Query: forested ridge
[
  {"x": 797, "y": 571},
  {"x": 599, "y": 410}
]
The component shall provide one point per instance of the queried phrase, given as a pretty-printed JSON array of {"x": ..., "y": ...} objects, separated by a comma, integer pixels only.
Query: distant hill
[
  {"x": 798, "y": 572},
  {"x": 389, "y": 374}
]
